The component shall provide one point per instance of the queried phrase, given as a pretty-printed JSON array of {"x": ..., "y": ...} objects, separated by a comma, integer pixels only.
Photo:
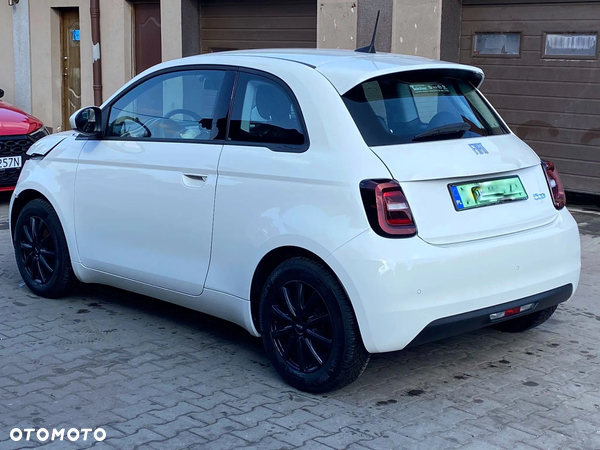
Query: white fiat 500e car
[{"x": 335, "y": 203}]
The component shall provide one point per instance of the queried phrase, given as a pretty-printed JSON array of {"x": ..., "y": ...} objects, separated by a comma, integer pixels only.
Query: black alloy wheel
[
  {"x": 309, "y": 329},
  {"x": 302, "y": 328},
  {"x": 41, "y": 250},
  {"x": 38, "y": 252}
]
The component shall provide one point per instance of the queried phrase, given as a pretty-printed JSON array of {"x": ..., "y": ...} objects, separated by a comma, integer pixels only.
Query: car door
[{"x": 145, "y": 192}]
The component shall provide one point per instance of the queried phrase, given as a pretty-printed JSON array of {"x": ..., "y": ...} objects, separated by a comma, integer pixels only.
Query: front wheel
[
  {"x": 526, "y": 322},
  {"x": 41, "y": 251},
  {"x": 309, "y": 329}
]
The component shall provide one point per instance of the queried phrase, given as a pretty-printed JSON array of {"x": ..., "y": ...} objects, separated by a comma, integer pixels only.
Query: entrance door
[
  {"x": 71, "y": 63},
  {"x": 148, "y": 50}
]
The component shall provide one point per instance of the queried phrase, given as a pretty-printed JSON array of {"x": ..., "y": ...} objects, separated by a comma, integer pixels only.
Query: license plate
[
  {"x": 474, "y": 194},
  {"x": 10, "y": 162}
]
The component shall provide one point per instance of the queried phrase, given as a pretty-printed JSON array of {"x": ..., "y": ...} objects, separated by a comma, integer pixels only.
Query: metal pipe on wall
[{"x": 97, "y": 64}]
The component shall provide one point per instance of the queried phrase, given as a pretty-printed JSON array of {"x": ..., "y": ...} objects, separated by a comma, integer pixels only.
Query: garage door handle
[{"x": 194, "y": 180}]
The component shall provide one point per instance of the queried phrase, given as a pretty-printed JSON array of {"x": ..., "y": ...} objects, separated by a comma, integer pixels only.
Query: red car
[{"x": 18, "y": 131}]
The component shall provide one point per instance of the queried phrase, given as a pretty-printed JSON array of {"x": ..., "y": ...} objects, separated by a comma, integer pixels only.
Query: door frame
[
  {"x": 63, "y": 42},
  {"x": 133, "y": 4}
]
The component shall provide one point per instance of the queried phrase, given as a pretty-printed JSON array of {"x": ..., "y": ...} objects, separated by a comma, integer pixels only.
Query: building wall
[
  {"x": 417, "y": 27},
  {"x": 171, "y": 25},
  {"x": 429, "y": 28},
  {"x": 115, "y": 53},
  {"x": 367, "y": 15},
  {"x": 21, "y": 49},
  {"x": 7, "y": 67},
  {"x": 337, "y": 22},
  {"x": 406, "y": 26},
  {"x": 116, "y": 35}
]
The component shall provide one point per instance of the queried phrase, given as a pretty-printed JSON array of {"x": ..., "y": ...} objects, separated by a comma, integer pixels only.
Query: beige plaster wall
[
  {"x": 417, "y": 27},
  {"x": 7, "y": 67},
  {"x": 46, "y": 72},
  {"x": 116, "y": 34},
  {"x": 337, "y": 24},
  {"x": 170, "y": 18}
]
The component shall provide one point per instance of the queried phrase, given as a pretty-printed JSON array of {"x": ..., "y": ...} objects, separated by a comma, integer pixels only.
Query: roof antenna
[{"x": 370, "y": 48}]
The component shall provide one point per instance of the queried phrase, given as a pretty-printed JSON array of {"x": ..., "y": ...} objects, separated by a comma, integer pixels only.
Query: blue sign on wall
[{"x": 76, "y": 35}]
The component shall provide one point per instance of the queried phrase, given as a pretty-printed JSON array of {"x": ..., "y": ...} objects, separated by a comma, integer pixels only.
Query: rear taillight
[
  {"x": 387, "y": 209},
  {"x": 555, "y": 184}
]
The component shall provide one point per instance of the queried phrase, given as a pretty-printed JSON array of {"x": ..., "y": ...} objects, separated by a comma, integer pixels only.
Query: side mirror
[
  {"x": 87, "y": 121},
  {"x": 1, "y": 93}
]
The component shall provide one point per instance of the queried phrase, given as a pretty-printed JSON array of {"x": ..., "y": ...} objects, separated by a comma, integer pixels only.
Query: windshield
[{"x": 416, "y": 107}]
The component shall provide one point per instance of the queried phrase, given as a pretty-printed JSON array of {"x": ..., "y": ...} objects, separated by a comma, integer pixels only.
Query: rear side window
[
  {"x": 395, "y": 110},
  {"x": 264, "y": 112}
]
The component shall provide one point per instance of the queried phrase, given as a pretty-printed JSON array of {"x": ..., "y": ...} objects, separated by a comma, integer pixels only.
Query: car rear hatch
[
  {"x": 427, "y": 183},
  {"x": 465, "y": 176}
]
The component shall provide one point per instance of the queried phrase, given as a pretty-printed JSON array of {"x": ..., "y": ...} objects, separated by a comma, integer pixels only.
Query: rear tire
[
  {"x": 525, "y": 322},
  {"x": 309, "y": 329},
  {"x": 41, "y": 251}
]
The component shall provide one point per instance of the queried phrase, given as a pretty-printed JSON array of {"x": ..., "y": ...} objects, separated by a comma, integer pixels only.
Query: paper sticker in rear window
[{"x": 434, "y": 88}]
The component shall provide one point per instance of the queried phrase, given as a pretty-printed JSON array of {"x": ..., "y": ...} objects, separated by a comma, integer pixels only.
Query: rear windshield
[{"x": 405, "y": 108}]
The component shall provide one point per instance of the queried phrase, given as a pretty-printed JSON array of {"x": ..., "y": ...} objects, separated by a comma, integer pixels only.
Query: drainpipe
[{"x": 97, "y": 64}]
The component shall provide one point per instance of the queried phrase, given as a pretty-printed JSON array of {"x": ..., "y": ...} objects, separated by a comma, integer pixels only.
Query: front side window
[
  {"x": 497, "y": 44},
  {"x": 175, "y": 106},
  {"x": 264, "y": 112},
  {"x": 393, "y": 110}
]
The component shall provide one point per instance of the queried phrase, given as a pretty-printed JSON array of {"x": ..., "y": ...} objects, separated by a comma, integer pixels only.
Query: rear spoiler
[{"x": 345, "y": 77}]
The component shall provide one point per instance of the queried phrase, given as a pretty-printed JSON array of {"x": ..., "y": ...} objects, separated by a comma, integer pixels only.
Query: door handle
[
  {"x": 194, "y": 180},
  {"x": 194, "y": 176}
]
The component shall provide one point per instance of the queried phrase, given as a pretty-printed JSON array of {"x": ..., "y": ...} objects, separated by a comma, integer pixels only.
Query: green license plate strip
[{"x": 475, "y": 194}]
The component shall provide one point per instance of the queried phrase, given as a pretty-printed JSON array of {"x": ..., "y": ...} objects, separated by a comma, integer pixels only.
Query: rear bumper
[
  {"x": 398, "y": 287},
  {"x": 473, "y": 320}
]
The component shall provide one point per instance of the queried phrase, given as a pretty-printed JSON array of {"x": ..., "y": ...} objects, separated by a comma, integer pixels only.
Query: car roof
[
  {"x": 346, "y": 68},
  {"x": 343, "y": 68}
]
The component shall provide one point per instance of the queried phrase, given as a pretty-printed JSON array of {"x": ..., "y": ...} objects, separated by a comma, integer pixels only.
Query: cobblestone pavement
[{"x": 156, "y": 376}]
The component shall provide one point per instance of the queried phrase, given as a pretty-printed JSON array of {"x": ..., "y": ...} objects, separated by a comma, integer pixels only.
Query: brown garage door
[
  {"x": 244, "y": 24},
  {"x": 543, "y": 76}
]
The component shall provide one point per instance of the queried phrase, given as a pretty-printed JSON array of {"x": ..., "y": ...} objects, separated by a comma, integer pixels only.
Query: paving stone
[
  {"x": 259, "y": 432},
  {"x": 225, "y": 442},
  {"x": 220, "y": 427},
  {"x": 300, "y": 435},
  {"x": 343, "y": 438},
  {"x": 291, "y": 421},
  {"x": 256, "y": 416},
  {"x": 218, "y": 412},
  {"x": 174, "y": 412},
  {"x": 183, "y": 440},
  {"x": 548, "y": 440},
  {"x": 135, "y": 440},
  {"x": 269, "y": 443}
]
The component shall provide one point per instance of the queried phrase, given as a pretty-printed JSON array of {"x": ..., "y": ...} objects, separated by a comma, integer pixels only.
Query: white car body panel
[
  {"x": 44, "y": 145},
  {"x": 143, "y": 210},
  {"x": 439, "y": 223},
  {"x": 402, "y": 285},
  {"x": 264, "y": 200},
  {"x": 218, "y": 304},
  {"x": 53, "y": 177},
  {"x": 455, "y": 159}
]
